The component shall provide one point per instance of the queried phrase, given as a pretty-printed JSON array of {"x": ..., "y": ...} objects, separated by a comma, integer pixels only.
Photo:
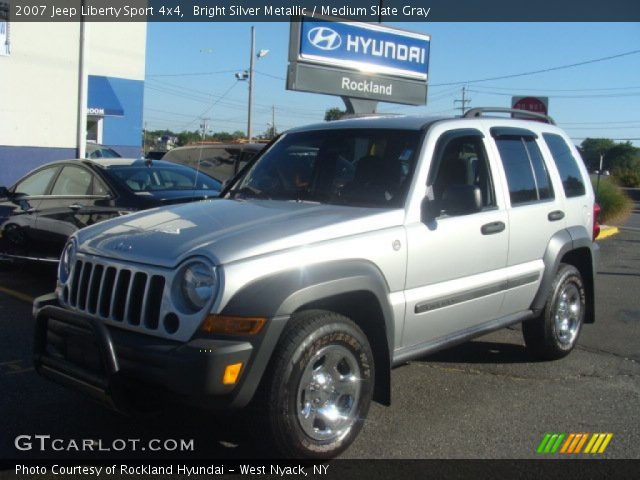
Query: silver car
[{"x": 345, "y": 249}]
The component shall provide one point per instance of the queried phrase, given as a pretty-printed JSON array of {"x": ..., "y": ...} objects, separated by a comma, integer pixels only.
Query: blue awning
[{"x": 102, "y": 100}]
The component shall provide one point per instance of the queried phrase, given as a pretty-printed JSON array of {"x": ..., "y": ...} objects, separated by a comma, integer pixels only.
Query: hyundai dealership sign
[
  {"x": 367, "y": 47},
  {"x": 358, "y": 60}
]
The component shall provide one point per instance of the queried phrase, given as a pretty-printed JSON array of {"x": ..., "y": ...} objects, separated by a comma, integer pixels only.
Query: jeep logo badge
[
  {"x": 122, "y": 247},
  {"x": 324, "y": 38}
]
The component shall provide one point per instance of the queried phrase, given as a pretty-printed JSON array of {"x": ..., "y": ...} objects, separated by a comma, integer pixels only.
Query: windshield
[
  {"x": 360, "y": 167},
  {"x": 159, "y": 178}
]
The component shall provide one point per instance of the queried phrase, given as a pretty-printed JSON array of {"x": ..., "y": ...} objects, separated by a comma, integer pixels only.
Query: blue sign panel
[{"x": 365, "y": 47}]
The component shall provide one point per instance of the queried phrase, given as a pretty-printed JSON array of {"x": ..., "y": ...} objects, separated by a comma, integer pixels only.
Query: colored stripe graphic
[
  {"x": 550, "y": 443},
  {"x": 598, "y": 443},
  {"x": 574, "y": 443}
]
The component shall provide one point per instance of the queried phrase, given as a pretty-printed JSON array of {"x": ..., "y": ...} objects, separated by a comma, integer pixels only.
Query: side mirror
[
  {"x": 429, "y": 210},
  {"x": 461, "y": 199},
  {"x": 4, "y": 192}
]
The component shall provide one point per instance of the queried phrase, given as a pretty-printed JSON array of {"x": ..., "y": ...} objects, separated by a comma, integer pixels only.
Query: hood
[{"x": 227, "y": 230}]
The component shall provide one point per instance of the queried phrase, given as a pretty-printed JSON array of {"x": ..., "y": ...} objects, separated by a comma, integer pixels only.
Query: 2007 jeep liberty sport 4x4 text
[{"x": 344, "y": 249}]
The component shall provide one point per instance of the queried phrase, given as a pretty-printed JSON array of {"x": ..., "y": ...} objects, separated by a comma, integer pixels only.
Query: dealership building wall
[{"x": 39, "y": 90}]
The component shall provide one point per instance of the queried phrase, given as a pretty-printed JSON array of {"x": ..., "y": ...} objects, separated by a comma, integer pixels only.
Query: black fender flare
[
  {"x": 561, "y": 243},
  {"x": 280, "y": 295}
]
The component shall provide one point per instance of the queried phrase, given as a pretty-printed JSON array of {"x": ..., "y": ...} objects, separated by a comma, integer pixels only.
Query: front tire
[
  {"x": 555, "y": 332},
  {"x": 319, "y": 386}
]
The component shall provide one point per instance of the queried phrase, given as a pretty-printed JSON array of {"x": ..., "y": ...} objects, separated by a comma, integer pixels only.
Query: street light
[{"x": 248, "y": 76}]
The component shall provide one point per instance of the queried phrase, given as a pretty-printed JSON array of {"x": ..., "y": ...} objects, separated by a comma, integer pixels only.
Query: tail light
[{"x": 596, "y": 219}]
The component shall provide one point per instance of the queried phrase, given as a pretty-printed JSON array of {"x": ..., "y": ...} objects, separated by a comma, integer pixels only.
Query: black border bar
[{"x": 360, "y": 10}]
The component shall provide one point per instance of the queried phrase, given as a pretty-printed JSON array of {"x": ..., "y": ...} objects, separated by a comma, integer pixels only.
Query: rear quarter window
[{"x": 572, "y": 181}]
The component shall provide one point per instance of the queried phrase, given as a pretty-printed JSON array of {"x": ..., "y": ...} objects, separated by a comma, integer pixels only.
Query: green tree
[
  {"x": 592, "y": 148},
  {"x": 333, "y": 114}
]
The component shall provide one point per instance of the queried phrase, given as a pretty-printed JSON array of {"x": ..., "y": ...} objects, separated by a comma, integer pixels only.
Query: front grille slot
[
  {"x": 154, "y": 301},
  {"x": 119, "y": 294},
  {"x": 84, "y": 285},
  {"x": 106, "y": 292},
  {"x": 136, "y": 297},
  {"x": 94, "y": 286},
  {"x": 120, "y": 297}
]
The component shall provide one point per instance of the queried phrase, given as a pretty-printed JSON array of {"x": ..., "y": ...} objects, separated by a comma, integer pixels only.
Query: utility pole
[
  {"x": 204, "y": 126},
  {"x": 599, "y": 175},
  {"x": 273, "y": 121},
  {"x": 463, "y": 103},
  {"x": 83, "y": 79},
  {"x": 253, "y": 47}
]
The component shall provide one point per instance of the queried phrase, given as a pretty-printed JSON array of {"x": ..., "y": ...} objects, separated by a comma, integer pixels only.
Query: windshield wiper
[{"x": 248, "y": 192}]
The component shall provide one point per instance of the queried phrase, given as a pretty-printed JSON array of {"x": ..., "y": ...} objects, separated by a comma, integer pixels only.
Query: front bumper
[{"x": 110, "y": 364}]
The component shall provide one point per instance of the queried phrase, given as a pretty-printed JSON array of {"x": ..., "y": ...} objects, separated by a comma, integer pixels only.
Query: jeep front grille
[{"x": 120, "y": 294}]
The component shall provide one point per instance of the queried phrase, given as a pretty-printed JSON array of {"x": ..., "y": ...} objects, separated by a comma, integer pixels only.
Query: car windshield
[
  {"x": 158, "y": 178},
  {"x": 359, "y": 167}
]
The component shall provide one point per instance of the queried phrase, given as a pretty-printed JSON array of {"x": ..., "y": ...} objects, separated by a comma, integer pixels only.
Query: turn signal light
[
  {"x": 231, "y": 374},
  {"x": 227, "y": 325}
]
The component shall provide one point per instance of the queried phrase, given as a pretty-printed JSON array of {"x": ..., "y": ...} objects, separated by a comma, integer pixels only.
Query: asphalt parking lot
[{"x": 484, "y": 399}]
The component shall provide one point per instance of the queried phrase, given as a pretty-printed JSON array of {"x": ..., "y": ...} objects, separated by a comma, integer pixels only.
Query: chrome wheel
[
  {"x": 567, "y": 314},
  {"x": 328, "y": 393}
]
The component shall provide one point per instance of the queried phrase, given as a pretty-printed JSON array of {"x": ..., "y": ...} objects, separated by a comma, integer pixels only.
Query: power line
[
  {"x": 615, "y": 139},
  {"x": 636, "y": 127},
  {"x": 208, "y": 109},
  {"x": 605, "y": 122},
  {"x": 544, "y": 70},
  {"x": 602, "y": 95},
  {"x": 192, "y": 74},
  {"x": 537, "y": 89}
]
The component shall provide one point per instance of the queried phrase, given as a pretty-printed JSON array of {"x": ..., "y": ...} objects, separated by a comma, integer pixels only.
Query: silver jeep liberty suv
[{"x": 344, "y": 249}]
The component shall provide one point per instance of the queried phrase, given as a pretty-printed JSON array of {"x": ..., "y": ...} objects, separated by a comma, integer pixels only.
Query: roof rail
[{"x": 477, "y": 112}]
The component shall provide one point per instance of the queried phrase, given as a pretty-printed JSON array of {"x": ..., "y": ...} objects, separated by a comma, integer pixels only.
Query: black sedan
[{"x": 45, "y": 207}]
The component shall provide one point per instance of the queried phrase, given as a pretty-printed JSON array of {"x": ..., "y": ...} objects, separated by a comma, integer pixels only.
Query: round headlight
[
  {"x": 198, "y": 284},
  {"x": 66, "y": 261}
]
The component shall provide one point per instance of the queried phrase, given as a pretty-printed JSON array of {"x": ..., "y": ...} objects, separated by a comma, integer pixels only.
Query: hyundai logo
[{"x": 324, "y": 38}]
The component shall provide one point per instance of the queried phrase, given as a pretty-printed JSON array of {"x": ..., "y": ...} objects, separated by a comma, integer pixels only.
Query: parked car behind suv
[
  {"x": 346, "y": 249},
  {"x": 220, "y": 161},
  {"x": 41, "y": 211}
]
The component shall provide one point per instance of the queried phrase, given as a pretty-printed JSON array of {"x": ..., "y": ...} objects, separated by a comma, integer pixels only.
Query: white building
[{"x": 39, "y": 91}]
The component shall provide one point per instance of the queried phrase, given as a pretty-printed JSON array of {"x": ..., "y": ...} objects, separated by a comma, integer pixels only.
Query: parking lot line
[{"x": 18, "y": 295}]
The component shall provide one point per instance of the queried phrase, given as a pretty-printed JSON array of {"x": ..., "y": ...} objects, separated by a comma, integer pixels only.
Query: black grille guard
[{"x": 103, "y": 385}]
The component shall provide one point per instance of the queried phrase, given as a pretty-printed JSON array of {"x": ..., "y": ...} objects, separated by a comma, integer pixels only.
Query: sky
[{"x": 190, "y": 74}]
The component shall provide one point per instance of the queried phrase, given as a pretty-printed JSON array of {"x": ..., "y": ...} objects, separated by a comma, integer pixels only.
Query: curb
[{"x": 607, "y": 231}]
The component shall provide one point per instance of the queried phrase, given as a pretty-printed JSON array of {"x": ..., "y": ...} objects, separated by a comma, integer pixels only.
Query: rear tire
[
  {"x": 555, "y": 332},
  {"x": 318, "y": 386}
]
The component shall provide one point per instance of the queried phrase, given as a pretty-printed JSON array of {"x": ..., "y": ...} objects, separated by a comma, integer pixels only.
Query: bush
[
  {"x": 615, "y": 204},
  {"x": 627, "y": 177}
]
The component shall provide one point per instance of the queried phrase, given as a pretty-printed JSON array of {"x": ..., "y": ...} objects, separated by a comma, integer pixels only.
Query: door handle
[
  {"x": 555, "y": 215},
  {"x": 493, "y": 227},
  {"x": 76, "y": 206}
]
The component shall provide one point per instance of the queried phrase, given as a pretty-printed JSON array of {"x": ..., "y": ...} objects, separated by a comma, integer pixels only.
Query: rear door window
[
  {"x": 73, "y": 182},
  {"x": 527, "y": 174}
]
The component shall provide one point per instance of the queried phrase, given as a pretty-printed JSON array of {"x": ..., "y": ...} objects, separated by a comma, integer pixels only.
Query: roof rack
[{"x": 477, "y": 112}]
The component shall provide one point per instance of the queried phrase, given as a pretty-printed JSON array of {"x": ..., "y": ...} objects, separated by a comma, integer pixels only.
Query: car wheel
[
  {"x": 555, "y": 332},
  {"x": 319, "y": 387}
]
